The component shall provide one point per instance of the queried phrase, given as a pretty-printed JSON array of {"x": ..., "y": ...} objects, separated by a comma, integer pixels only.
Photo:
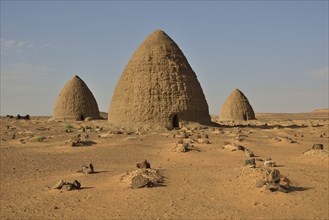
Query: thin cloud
[
  {"x": 18, "y": 46},
  {"x": 319, "y": 73}
]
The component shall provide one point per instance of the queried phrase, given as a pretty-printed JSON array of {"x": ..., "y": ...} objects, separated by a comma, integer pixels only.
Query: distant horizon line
[{"x": 317, "y": 110}]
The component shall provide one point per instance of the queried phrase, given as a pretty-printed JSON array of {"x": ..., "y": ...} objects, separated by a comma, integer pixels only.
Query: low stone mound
[
  {"x": 142, "y": 178},
  {"x": 266, "y": 179},
  {"x": 322, "y": 154},
  {"x": 67, "y": 186}
]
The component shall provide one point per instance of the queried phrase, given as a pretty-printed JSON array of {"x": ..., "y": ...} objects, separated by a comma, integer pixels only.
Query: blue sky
[{"x": 276, "y": 52}]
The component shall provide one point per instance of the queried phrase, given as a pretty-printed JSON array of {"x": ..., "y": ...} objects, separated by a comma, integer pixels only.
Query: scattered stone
[
  {"x": 273, "y": 186},
  {"x": 144, "y": 165},
  {"x": 79, "y": 140},
  {"x": 203, "y": 141},
  {"x": 86, "y": 169},
  {"x": 139, "y": 181},
  {"x": 274, "y": 176},
  {"x": 67, "y": 185},
  {"x": 250, "y": 162},
  {"x": 183, "y": 147},
  {"x": 269, "y": 163},
  {"x": 151, "y": 177},
  {"x": 284, "y": 181},
  {"x": 317, "y": 147},
  {"x": 249, "y": 153},
  {"x": 233, "y": 147},
  {"x": 76, "y": 184},
  {"x": 59, "y": 184}
]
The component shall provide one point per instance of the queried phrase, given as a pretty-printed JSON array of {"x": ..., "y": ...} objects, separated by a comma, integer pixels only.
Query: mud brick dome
[
  {"x": 158, "y": 88},
  {"x": 236, "y": 107},
  {"x": 75, "y": 101}
]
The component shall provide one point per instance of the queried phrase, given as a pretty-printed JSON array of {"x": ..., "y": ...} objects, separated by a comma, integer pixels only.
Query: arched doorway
[{"x": 175, "y": 121}]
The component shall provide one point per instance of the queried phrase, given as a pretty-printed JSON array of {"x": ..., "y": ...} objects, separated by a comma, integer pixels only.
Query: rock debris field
[{"x": 275, "y": 167}]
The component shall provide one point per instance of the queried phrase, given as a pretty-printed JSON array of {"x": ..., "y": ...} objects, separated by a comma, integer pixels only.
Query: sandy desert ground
[{"x": 208, "y": 182}]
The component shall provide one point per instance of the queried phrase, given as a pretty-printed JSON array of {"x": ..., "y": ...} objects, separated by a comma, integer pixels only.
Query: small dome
[
  {"x": 236, "y": 107},
  {"x": 75, "y": 101}
]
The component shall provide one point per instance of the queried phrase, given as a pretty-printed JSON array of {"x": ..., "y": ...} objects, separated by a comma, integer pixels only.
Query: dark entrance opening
[
  {"x": 82, "y": 118},
  {"x": 245, "y": 117},
  {"x": 175, "y": 121}
]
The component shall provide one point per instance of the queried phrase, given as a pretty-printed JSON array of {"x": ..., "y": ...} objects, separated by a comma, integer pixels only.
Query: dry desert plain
[{"x": 208, "y": 182}]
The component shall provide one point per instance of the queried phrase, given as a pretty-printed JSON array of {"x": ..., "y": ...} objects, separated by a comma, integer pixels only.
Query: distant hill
[
  {"x": 316, "y": 114},
  {"x": 321, "y": 110}
]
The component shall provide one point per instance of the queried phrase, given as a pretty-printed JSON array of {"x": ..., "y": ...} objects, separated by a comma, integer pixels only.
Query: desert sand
[{"x": 208, "y": 182}]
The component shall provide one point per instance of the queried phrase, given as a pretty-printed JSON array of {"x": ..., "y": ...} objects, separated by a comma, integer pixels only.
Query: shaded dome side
[
  {"x": 75, "y": 101},
  {"x": 237, "y": 107}
]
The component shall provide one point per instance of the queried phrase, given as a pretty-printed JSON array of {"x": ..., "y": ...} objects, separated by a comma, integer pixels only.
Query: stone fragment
[
  {"x": 143, "y": 165},
  {"x": 184, "y": 147},
  {"x": 86, "y": 169},
  {"x": 269, "y": 163},
  {"x": 59, "y": 185},
  {"x": 317, "y": 147},
  {"x": 68, "y": 187},
  {"x": 233, "y": 147},
  {"x": 274, "y": 176},
  {"x": 249, "y": 153},
  {"x": 139, "y": 181},
  {"x": 250, "y": 162}
]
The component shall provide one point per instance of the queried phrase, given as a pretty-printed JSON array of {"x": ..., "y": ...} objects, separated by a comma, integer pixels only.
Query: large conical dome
[
  {"x": 75, "y": 101},
  {"x": 236, "y": 107},
  {"x": 158, "y": 88}
]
